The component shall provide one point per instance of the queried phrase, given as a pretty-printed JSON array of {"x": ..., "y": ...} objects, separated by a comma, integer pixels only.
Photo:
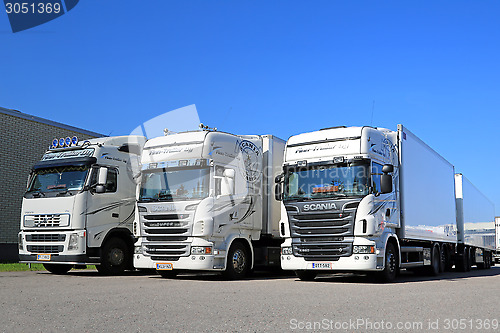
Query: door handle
[{"x": 115, "y": 215}]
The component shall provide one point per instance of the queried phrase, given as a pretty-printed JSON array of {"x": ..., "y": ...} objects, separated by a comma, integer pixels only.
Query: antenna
[{"x": 373, "y": 109}]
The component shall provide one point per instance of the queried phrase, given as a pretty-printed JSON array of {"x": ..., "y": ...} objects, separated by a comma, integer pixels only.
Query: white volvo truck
[
  {"x": 205, "y": 203},
  {"x": 364, "y": 199},
  {"x": 79, "y": 205}
]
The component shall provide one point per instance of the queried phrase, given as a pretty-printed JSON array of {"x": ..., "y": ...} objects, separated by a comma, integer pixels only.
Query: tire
[
  {"x": 168, "y": 274},
  {"x": 306, "y": 275},
  {"x": 391, "y": 265},
  {"x": 114, "y": 258},
  {"x": 58, "y": 269},
  {"x": 238, "y": 262},
  {"x": 435, "y": 267}
]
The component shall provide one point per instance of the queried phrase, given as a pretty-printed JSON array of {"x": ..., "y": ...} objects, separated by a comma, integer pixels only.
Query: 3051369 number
[{"x": 33, "y": 8}]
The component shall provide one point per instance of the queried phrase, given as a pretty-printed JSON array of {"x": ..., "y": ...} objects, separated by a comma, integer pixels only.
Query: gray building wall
[{"x": 23, "y": 140}]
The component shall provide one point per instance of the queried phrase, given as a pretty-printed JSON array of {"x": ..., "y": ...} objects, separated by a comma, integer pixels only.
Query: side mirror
[
  {"x": 227, "y": 185},
  {"x": 229, "y": 173},
  {"x": 102, "y": 178},
  {"x": 278, "y": 191},
  {"x": 100, "y": 189},
  {"x": 388, "y": 168},
  {"x": 386, "y": 179}
]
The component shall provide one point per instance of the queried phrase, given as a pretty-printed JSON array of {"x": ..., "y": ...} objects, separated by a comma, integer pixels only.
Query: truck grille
[
  {"x": 49, "y": 220},
  {"x": 45, "y": 238},
  {"x": 45, "y": 248},
  {"x": 325, "y": 251},
  {"x": 166, "y": 236},
  {"x": 320, "y": 235}
]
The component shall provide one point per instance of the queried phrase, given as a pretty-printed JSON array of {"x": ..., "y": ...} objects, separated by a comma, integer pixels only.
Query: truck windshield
[
  {"x": 171, "y": 184},
  {"x": 63, "y": 178},
  {"x": 327, "y": 181}
]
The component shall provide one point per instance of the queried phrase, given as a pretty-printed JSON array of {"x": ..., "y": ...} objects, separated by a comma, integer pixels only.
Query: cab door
[{"x": 103, "y": 209}]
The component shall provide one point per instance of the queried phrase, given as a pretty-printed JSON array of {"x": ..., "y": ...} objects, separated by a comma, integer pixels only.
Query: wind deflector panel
[{"x": 77, "y": 161}]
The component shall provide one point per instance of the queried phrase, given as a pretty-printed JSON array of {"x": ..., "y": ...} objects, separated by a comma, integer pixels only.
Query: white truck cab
[
  {"x": 79, "y": 204},
  {"x": 205, "y": 203}
]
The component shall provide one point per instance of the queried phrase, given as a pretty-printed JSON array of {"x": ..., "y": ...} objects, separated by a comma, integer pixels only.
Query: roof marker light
[
  {"x": 55, "y": 142},
  {"x": 74, "y": 141},
  {"x": 61, "y": 142},
  {"x": 67, "y": 142}
]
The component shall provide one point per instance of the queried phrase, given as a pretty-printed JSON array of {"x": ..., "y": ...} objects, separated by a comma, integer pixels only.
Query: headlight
[
  {"x": 363, "y": 249},
  {"x": 138, "y": 250},
  {"x": 201, "y": 250},
  {"x": 286, "y": 251},
  {"x": 73, "y": 242},
  {"x": 142, "y": 209},
  {"x": 29, "y": 221},
  {"x": 20, "y": 241}
]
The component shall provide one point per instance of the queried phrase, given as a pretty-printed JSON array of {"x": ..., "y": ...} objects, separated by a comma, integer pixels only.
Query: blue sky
[{"x": 279, "y": 67}]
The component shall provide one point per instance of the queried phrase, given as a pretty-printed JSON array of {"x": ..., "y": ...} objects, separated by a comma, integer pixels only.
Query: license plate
[
  {"x": 321, "y": 265},
  {"x": 164, "y": 267},
  {"x": 43, "y": 257}
]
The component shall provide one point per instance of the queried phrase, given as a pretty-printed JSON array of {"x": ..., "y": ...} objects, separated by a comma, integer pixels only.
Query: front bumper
[
  {"x": 79, "y": 259},
  {"x": 193, "y": 262},
  {"x": 356, "y": 262}
]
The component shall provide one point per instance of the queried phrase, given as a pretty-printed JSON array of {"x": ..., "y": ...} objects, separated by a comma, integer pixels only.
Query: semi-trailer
[
  {"x": 79, "y": 205},
  {"x": 205, "y": 203},
  {"x": 365, "y": 199}
]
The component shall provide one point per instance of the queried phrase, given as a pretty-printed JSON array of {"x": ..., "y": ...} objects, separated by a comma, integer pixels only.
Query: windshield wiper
[{"x": 37, "y": 193}]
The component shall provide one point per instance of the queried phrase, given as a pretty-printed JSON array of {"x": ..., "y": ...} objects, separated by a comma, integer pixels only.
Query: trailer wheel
[
  {"x": 168, "y": 274},
  {"x": 435, "y": 267},
  {"x": 58, "y": 269},
  {"x": 114, "y": 258},
  {"x": 391, "y": 265},
  {"x": 306, "y": 275},
  {"x": 238, "y": 264}
]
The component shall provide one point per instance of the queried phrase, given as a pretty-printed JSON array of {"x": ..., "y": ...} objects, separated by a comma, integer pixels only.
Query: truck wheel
[
  {"x": 115, "y": 257},
  {"x": 168, "y": 274},
  {"x": 306, "y": 275},
  {"x": 435, "y": 261},
  {"x": 58, "y": 269},
  {"x": 391, "y": 265},
  {"x": 237, "y": 264}
]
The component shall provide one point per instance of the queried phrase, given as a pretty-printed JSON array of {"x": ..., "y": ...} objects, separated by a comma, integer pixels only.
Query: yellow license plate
[
  {"x": 43, "y": 257},
  {"x": 164, "y": 266}
]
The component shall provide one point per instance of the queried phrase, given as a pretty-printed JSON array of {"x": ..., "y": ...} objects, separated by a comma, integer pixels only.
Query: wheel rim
[
  {"x": 239, "y": 261},
  {"x": 116, "y": 256}
]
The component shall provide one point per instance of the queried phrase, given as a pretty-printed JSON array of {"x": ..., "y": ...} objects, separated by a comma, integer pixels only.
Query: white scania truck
[
  {"x": 205, "y": 203},
  {"x": 79, "y": 205},
  {"x": 364, "y": 199}
]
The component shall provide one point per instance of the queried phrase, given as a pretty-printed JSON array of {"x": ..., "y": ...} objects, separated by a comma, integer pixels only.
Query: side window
[
  {"x": 376, "y": 173},
  {"x": 111, "y": 182}
]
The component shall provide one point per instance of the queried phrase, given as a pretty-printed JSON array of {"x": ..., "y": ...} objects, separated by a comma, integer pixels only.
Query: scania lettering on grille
[{"x": 319, "y": 206}]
